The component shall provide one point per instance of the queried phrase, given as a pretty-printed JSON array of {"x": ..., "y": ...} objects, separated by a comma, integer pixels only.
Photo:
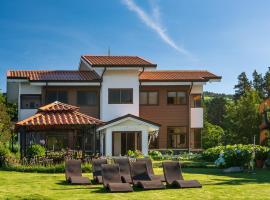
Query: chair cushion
[
  {"x": 79, "y": 180},
  {"x": 119, "y": 187},
  {"x": 187, "y": 184}
]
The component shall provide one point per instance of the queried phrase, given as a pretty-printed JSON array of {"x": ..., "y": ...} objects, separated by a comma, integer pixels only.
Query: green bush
[
  {"x": 36, "y": 150},
  {"x": 4, "y": 154},
  {"x": 156, "y": 155},
  {"x": 135, "y": 154},
  {"x": 235, "y": 155},
  {"x": 211, "y": 135}
]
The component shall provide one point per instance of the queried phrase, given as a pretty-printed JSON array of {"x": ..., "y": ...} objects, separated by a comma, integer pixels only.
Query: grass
[{"x": 216, "y": 185}]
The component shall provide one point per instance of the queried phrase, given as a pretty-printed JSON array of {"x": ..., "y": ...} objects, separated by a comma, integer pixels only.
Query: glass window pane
[
  {"x": 153, "y": 98},
  {"x": 143, "y": 98},
  {"x": 30, "y": 101},
  {"x": 171, "y": 99},
  {"x": 181, "y": 98},
  {"x": 51, "y": 96},
  {"x": 177, "y": 137},
  {"x": 62, "y": 96},
  {"x": 126, "y": 96},
  {"x": 114, "y": 96},
  {"x": 86, "y": 98},
  {"x": 197, "y": 101}
]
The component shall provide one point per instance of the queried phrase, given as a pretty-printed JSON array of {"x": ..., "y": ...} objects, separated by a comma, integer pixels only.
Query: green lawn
[{"x": 17, "y": 185}]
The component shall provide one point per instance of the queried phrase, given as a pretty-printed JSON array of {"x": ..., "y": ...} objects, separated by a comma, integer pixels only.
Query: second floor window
[
  {"x": 196, "y": 101},
  {"x": 29, "y": 101},
  {"x": 86, "y": 98},
  {"x": 176, "y": 98},
  {"x": 120, "y": 96},
  {"x": 61, "y": 96},
  {"x": 149, "y": 98}
]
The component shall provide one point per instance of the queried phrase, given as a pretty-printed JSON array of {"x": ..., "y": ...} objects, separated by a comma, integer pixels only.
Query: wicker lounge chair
[
  {"x": 73, "y": 172},
  {"x": 141, "y": 178},
  {"x": 112, "y": 179},
  {"x": 124, "y": 166},
  {"x": 96, "y": 165},
  {"x": 173, "y": 175},
  {"x": 149, "y": 165}
]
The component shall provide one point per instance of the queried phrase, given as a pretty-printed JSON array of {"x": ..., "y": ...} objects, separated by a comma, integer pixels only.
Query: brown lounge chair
[
  {"x": 141, "y": 178},
  {"x": 96, "y": 167},
  {"x": 173, "y": 175},
  {"x": 124, "y": 166},
  {"x": 112, "y": 179},
  {"x": 73, "y": 172},
  {"x": 149, "y": 165}
]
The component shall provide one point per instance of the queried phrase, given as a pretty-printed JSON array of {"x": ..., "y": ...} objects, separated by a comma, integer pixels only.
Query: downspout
[
  {"x": 46, "y": 93},
  {"x": 189, "y": 116},
  {"x": 139, "y": 76}
]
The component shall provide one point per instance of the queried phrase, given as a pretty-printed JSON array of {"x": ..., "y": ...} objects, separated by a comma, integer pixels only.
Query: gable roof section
[
  {"x": 178, "y": 75},
  {"x": 112, "y": 122},
  {"x": 117, "y": 61},
  {"x": 61, "y": 75}
]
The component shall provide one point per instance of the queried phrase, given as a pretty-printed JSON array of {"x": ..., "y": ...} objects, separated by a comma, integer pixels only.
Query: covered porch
[
  {"x": 126, "y": 133},
  {"x": 59, "y": 127}
]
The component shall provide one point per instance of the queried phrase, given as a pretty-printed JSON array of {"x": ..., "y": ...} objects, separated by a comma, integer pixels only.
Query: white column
[
  {"x": 145, "y": 142},
  {"x": 108, "y": 142}
]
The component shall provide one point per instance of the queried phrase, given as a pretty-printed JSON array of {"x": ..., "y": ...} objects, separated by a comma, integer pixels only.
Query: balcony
[{"x": 196, "y": 118}]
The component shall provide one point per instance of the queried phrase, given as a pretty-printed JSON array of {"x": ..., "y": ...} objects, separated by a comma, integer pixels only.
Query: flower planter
[{"x": 259, "y": 163}]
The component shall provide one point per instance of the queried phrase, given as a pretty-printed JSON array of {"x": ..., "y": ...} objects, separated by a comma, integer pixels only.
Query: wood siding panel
[
  {"x": 72, "y": 98},
  {"x": 164, "y": 114}
]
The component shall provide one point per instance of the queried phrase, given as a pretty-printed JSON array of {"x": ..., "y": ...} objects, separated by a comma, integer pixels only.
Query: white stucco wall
[
  {"x": 119, "y": 79},
  {"x": 197, "y": 89},
  {"x": 196, "y": 118}
]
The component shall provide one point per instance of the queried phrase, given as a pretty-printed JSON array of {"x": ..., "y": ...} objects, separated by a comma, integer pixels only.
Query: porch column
[
  {"x": 145, "y": 142},
  {"x": 108, "y": 142}
]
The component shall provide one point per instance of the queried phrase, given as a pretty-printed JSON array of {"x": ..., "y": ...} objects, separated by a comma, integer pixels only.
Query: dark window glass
[
  {"x": 120, "y": 96},
  {"x": 30, "y": 101},
  {"x": 197, "y": 101},
  {"x": 177, "y": 137},
  {"x": 149, "y": 98},
  {"x": 177, "y": 98},
  {"x": 197, "y": 138},
  {"x": 61, "y": 96},
  {"x": 86, "y": 98},
  {"x": 126, "y": 96},
  {"x": 114, "y": 96}
]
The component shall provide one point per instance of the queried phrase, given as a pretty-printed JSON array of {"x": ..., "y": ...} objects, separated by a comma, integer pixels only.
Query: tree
[
  {"x": 242, "y": 119},
  {"x": 258, "y": 83},
  {"x": 211, "y": 135},
  {"x": 215, "y": 110},
  {"x": 242, "y": 86},
  {"x": 267, "y": 83},
  {"x": 5, "y": 124}
]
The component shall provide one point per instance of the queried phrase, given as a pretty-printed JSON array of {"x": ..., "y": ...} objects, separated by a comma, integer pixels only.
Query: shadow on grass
[{"x": 260, "y": 176}]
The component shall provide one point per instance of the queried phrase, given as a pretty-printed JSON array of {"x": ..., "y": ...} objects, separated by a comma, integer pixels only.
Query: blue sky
[{"x": 224, "y": 37}]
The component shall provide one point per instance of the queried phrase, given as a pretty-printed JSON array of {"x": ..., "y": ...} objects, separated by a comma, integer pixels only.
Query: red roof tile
[
  {"x": 117, "y": 61},
  {"x": 42, "y": 75},
  {"x": 57, "y": 115},
  {"x": 179, "y": 75}
]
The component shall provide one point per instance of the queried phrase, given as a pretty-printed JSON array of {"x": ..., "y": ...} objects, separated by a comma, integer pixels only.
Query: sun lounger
[
  {"x": 112, "y": 179},
  {"x": 96, "y": 167},
  {"x": 73, "y": 172},
  {"x": 173, "y": 176},
  {"x": 124, "y": 166},
  {"x": 149, "y": 165},
  {"x": 141, "y": 178}
]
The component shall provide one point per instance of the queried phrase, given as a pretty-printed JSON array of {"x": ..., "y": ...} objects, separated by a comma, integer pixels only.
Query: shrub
[
  {"x": 261, "y": 152},
  {"x": 4, "y": 154},
  {"x": 213, "y": 153},
  {"x": 156, "y": 155},
  {"x": 135, "y": 154},
  {"x": 36, "y": 150},
  {"x": 211, "y": 135}
]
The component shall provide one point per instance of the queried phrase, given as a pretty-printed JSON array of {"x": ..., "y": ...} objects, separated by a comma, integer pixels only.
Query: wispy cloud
[{"x": 153, "y": 21}]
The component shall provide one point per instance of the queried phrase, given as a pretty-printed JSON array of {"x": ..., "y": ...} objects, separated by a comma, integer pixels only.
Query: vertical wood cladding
[
  {"x": 164, "y": 114},
  {"x": 72, "y": 97}
]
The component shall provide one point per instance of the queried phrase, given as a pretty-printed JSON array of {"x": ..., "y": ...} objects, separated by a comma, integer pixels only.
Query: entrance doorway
[{"x": 125, "y": 141}]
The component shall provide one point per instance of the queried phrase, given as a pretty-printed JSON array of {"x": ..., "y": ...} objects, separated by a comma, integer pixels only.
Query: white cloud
[{"x": 154, "y": 23}]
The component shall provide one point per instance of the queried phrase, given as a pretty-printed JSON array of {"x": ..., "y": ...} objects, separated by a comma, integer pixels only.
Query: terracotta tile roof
[
  {"x": 179, "y": 75},
  {"x": 57, "y": 115},
  {"x": 42, "y": 75},
  {"x": 117, "y": 61}
]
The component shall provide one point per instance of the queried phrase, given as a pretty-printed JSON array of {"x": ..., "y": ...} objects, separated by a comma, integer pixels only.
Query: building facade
[{"x": 141, "y": 107}]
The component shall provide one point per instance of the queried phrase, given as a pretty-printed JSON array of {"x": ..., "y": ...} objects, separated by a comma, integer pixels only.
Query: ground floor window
[{"x": 177, "y": 137}]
